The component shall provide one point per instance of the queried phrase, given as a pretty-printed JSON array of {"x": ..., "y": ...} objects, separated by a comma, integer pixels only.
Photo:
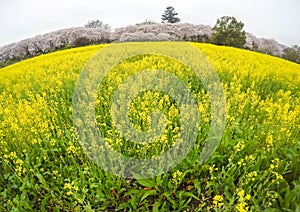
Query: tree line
[{"x": 227, "y": 31}]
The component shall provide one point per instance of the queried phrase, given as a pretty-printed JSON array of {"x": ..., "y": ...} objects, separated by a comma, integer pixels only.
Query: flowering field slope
[{"x": 256, "y": 165}]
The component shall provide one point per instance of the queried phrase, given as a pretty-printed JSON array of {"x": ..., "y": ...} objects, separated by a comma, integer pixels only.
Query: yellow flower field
[{"x": 256, "y": 165}]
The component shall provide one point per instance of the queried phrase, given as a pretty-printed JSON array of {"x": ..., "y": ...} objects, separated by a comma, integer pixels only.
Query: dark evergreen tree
[
  {"x": 97, "y": 24},
  {"x": 169, "y": 16}
]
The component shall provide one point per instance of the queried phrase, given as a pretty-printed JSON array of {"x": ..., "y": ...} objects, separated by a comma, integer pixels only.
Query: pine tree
[{"x": 169, "y": 16}]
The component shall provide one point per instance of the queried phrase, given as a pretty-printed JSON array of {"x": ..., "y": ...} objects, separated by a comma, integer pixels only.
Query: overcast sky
[{"x": 19, "y": 19}]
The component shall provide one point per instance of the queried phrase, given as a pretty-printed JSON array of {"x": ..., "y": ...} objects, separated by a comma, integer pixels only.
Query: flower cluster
[
  {"x": 70, "y": 188},
  {"x": 218, "y": 201},
  {"x": 242, "y": 205}
]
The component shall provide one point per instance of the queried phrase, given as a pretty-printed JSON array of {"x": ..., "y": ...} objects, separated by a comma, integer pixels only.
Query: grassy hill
[{"x": 256, "y": 166}]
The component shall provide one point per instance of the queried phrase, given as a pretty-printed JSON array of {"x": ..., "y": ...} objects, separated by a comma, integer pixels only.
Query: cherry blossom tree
[
  {"x": 50, "y": 42},
  {"x": 271, "y": 47},
  {"x": 151, "y": 31}
]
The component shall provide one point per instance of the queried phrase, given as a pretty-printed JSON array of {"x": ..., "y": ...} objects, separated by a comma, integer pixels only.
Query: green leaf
[
  {"x": 159, "y": 180},
  {"x": 146, "y": 182},
  {"x": 187, "y": 194},
  {"x": 45, "y": 200},
  {"x": 272, "y": 210},
  {"x": 197, "y": 185},
  {"x": 134, "y": 202},
  {"x": 148, "y": 193},
  {"x": 42, "y": 181},
  {"x": 156, "y": 206}
]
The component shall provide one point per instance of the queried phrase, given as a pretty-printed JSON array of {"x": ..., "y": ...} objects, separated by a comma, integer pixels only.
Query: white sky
[{"x": 19, "y": 19}]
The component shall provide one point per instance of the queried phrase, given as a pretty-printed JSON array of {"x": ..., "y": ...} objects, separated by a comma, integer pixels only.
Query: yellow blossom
[
  {"x": 242, "y": 207},
  {"x": 217, "y": 201}
]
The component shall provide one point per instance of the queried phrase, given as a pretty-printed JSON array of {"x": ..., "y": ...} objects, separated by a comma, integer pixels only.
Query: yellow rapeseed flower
[
  {"x": 217, "y": 201},
  {"x": 242, "y": 207}
]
